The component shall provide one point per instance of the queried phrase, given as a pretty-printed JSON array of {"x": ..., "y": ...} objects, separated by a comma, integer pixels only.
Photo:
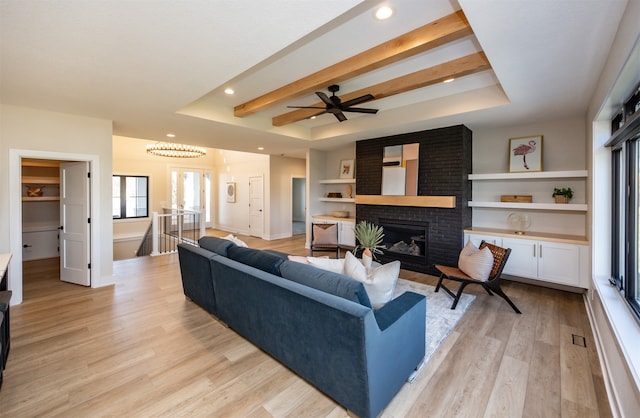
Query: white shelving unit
[
  {"x": 577, "y": 207},
  {"x": 539, "y": 175},
  {"x": 535, "y": 176},
  {"x": 339, "y": 182}
]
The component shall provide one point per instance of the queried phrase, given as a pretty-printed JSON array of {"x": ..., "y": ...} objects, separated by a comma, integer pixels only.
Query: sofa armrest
[{"x": 394, "y": 309}]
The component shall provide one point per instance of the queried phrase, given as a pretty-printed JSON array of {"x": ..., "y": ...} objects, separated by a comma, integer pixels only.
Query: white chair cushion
[
  {"x": 325, "y": 234},
  {"x": 475, "y": 263}
]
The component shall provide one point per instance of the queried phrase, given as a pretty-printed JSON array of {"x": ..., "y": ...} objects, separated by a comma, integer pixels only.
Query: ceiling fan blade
[
  {"x": 307, "y": 107},
  {"x": 357, "y": 100},
  {"x": 360, "y": 110},
  {"x": 340, "y": 116},
  {"x": 324, "y": 98}
]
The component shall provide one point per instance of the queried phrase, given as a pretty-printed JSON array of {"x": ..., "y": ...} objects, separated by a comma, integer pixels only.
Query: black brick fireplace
[{"x": 443, "y": 169}]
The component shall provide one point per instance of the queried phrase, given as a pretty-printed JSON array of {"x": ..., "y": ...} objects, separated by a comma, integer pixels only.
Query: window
[
  {"x": 625, "y": 248},
  {"x": 130, "y": 197}
]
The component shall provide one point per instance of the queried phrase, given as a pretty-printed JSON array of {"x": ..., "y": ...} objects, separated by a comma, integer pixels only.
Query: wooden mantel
[{"x": 418, "y": 201}]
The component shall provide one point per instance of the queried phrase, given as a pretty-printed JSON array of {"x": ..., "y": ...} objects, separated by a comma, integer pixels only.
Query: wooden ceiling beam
[
  {"x": 444, "y": 30},
  {"x": 456, "y": 68}
]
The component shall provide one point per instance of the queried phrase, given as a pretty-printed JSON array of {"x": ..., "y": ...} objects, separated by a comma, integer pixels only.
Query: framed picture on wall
[
  {"x": 525, "y": 154},
  {"x": 231, "y": 192},
  {"x": 346, "y": 169}
]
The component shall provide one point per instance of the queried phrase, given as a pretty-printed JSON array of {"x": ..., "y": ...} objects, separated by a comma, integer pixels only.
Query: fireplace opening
[{"x": 405, "y": 240}]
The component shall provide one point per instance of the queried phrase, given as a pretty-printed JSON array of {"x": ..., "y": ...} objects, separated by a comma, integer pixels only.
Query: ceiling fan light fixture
[
  {"x": 384, "y": 12},
  {"x": 165, "y": 149}
]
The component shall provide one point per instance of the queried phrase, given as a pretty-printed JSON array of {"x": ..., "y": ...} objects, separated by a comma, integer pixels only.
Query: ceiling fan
[{"x": 335, "y": 106}]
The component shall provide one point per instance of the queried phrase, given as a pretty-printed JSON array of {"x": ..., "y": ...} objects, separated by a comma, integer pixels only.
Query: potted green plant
[
  {"x": 369, "y": 237},
  {"x": 562, "y": 195}
]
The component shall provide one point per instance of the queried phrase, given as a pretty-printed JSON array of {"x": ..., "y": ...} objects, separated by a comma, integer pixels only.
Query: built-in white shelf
[
  {"x": 338, "y": 199},
  {"x": 338, "y": 181},
  {"x": 574, "y": 207},
  {"x": 538, "y": 175}
]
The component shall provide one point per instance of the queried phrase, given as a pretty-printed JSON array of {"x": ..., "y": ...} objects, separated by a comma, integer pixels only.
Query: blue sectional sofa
[{"x": 317, "y": 323}]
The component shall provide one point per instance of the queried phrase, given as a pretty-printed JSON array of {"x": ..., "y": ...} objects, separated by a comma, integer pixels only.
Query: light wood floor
[{"x": 139, "y": 349}]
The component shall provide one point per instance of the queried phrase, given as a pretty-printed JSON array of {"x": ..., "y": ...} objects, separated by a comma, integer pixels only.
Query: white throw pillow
[
  {"x": 335, "y": 265},
  {"x": 236, "y": 240},
  {"x": 378, "y": 281},
  {"x": 475, "y": 263}
]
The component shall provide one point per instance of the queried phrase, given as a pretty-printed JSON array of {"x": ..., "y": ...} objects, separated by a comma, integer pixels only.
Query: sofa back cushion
[
  {"x": 217, "y": 245},
  {"x": 262, "y": 260},
  {"x": 326, "y": 281}
]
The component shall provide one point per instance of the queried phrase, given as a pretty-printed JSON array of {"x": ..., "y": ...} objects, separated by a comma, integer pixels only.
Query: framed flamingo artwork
[{"x": 525, "y": 154}]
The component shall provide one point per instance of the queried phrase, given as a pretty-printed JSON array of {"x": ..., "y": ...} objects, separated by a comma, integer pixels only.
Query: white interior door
[
  {"x": 256, "y": 203},
  {"x": 74, "y": 223}
]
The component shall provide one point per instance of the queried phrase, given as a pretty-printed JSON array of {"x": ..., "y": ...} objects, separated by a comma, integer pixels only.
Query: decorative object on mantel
[
  {"x": 519, "y": 221},
  {"x": 346, "y": 169},
  {"x": 164, "y": 149},
  {"x": 525, "y": 154},
  {"x": 562, "y": 195},
  {"x": 516, "y": 198},
  {"x": 369, "y": 237}
]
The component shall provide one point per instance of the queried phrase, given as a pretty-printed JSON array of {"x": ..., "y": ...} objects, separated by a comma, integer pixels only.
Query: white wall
[
  {"x": 49, "y": 133},
  {"x": 616, "y": 330},
  {"x": 564, "y": 148},
  {"x": 238, "y": 167},
  {"x": 282, "y": 170}
]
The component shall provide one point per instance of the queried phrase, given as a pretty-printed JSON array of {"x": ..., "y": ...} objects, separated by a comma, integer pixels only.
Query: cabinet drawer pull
[
  {"x": 540, "y": 250},
  {"x": 534, "y": 250}
]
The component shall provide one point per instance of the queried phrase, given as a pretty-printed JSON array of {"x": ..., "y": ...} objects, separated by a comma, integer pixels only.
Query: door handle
[
  {"x": 61, "y": 227},
  {"x": 27, "y": 246}
]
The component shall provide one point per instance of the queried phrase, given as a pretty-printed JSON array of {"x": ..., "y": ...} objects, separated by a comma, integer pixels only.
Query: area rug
[{"x": 441, "y": 319}]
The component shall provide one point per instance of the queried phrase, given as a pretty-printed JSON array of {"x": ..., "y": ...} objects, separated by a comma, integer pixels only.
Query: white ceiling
[{"x": 159, "y": 67}]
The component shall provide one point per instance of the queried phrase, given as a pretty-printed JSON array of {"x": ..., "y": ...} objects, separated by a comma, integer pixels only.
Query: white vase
[{"x": 367, "y": 258}]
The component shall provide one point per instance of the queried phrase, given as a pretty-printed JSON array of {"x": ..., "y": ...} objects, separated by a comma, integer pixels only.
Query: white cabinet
[
  {"x": 544, "y": 260},
  {"x": 476, "y": 239},
  {"x": 541, "y": 259},
  {"x": 346, "y": 234}
]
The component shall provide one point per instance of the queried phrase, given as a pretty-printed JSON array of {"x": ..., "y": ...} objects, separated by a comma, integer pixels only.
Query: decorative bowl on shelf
[
  {"x": 340, "y": 214},
  {"x": 334, "y": 195}
]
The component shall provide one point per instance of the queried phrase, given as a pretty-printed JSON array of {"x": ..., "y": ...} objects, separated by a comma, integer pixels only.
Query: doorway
[
  {"x": 256, "y": 205},
  {"x": 55, "y": 218},
  {"x": 16, "y": 191},
  {"x": 298, "y": 205},
  {"x": 191, "y": 190}
]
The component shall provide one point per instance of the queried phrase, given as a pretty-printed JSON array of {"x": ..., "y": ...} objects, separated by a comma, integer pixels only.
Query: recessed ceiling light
[
  {"x": 384, "y": 12},
  {"x": 171, "y": 135},
  {"x": 312, "y": 117},
  {"x": 448, "y": 80},
  {"x": 229, "y": 91},
  {"x": 261, "y": 148}
]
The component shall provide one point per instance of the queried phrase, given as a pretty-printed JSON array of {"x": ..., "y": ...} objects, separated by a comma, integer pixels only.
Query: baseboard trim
[{"x": 619, "y": 375}]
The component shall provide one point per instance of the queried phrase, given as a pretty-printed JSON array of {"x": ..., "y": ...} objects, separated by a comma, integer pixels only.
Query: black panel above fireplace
[{"x": 444, "y": 166}]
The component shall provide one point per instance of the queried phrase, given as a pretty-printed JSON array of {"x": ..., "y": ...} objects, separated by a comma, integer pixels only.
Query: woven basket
[{"x": 562, "y": 199}]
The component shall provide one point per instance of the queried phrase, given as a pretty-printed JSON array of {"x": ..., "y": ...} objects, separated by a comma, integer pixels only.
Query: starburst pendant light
[{"x": 165, "y": 149}]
